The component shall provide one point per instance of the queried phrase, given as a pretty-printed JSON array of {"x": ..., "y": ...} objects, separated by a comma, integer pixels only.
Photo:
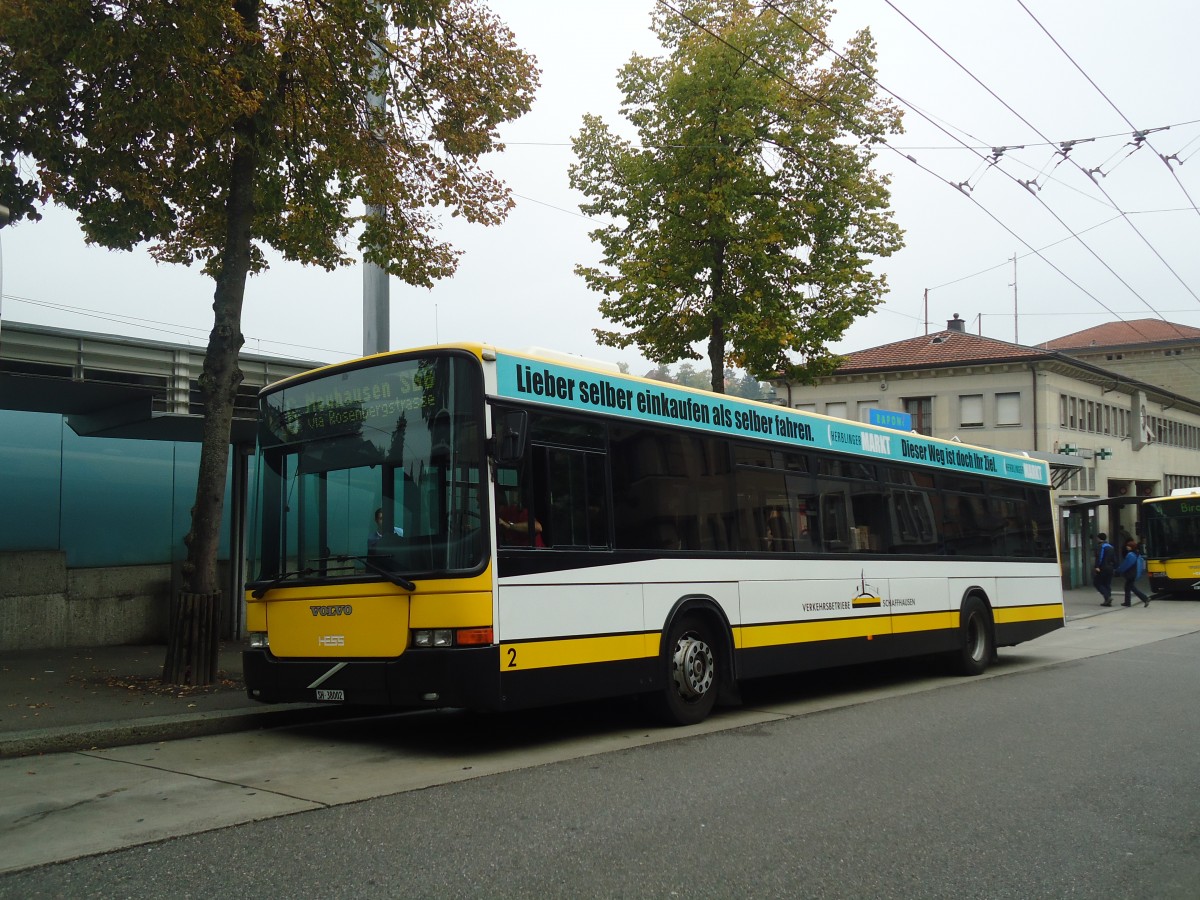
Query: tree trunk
[
  {"x": 716, "y": 335},
  {"x": 195, "y": 624},
  {"x": 716, "y": 355},
  {"x": 195, "y": 639}
]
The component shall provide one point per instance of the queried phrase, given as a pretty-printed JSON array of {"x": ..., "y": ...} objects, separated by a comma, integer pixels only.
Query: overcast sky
[{"x": 1092, "y": 71}]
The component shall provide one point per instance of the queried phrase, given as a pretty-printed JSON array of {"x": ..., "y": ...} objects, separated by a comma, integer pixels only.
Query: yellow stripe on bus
[
  {"x": 577, "y": 651},
  {"x": 749, "y": 636},
  {"x": 1007, "y": 614},
  {"x": 935, "y": 621}
]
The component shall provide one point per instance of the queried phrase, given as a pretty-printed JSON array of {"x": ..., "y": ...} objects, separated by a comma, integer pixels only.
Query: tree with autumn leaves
[
  {"x": 746, "y": 215},
  {"x": 214, "y": 130}
]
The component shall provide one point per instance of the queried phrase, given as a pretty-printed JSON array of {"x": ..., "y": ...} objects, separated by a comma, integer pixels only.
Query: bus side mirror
[{"x": 508, "y": 442}]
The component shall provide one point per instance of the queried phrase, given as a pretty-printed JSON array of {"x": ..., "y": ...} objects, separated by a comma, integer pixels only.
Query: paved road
[{"x": 904, "y": 772}]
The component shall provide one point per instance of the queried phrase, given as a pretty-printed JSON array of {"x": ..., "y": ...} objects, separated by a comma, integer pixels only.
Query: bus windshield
[
  {"x": 372, "y": 472},
  {"x": 1172, "y": 527}
]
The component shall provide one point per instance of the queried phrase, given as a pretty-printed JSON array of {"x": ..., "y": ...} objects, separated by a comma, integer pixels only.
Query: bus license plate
[{"x": 330, "y": 695}]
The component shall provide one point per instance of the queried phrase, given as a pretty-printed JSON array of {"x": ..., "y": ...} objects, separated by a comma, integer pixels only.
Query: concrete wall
[{"x": 45, "y": 604}]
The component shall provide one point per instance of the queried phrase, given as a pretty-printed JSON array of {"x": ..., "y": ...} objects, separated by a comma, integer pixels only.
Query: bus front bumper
[
  {"x": 1161, "y": 584},
  {"x": 459, "y": 677}
]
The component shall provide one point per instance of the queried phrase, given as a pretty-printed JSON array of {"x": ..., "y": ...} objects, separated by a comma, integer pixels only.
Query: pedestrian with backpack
[
  {"x": 1106, "y": 564},
  {"x": 1133, "y": 567}
]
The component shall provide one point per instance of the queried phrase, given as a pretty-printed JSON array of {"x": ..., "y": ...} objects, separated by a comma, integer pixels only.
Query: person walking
[
  {"x": 1133, "y": 567},
  {"x": 1106, "y": 563}
]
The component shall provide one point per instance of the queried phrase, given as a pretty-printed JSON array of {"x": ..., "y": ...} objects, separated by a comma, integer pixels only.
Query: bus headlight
[
  {"x": 258, "y": 640},
  {"x": 433, "y": 637}
]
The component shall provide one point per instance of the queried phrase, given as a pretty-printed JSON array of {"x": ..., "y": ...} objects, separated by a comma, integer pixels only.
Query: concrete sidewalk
[
  {"x": 79, "y": 699},
  {"x": 82, "y": 698}
]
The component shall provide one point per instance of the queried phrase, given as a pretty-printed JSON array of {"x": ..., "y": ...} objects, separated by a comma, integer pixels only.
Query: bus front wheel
[
  {"x": 977, "y": 647},
  {"x": 692, "y": 678}
]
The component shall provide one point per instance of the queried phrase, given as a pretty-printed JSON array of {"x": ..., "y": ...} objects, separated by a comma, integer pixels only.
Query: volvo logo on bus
[{"x": 344, "y": 610}]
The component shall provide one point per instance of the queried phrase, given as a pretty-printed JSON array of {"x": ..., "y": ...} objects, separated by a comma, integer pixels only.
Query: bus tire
[
  {"x": 977, "y": 645},
  {"x": 690, "y": 657}
]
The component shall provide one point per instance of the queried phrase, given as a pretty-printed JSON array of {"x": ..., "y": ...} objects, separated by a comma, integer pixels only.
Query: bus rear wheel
[
  {"x": 692, "y": 675},
  {"x": 977, "y": 647}
]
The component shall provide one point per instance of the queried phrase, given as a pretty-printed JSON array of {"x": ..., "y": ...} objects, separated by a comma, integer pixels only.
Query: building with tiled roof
[
  {"x": 1127, "y": 437},
  {"x": 1153, "y": 350},
  {"x": 954, "y": 344},
  {"x": 1125, "y": 334}
]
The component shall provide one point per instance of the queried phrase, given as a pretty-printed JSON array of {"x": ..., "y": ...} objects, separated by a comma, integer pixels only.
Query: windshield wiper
[
  {"x": 279, "y": 579},
  {"x": 398, "y": 580}
]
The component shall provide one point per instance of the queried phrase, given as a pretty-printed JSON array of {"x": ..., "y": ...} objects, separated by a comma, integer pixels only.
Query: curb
[{"x": 102, "y": 735}]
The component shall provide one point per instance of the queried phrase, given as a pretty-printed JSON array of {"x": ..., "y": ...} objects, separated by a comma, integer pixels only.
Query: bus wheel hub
[{"x": 692, "y": 667}]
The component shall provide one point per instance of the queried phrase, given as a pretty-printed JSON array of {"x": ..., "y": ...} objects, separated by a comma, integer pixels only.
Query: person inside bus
[
  {"x": 779, "y": 535},
  {"x": 514, "y": 527},
  {"x": 514, "y": 519},
  {"x": 376, "y": 534}
]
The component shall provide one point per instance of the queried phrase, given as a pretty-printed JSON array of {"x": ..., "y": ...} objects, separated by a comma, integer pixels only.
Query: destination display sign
[
  {"x": 345, "y": 402},
  {"x": 522, "y": 378}
]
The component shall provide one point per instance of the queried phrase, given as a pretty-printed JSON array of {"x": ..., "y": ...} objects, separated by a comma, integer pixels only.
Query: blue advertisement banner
[{"x": 529, "y": 380}]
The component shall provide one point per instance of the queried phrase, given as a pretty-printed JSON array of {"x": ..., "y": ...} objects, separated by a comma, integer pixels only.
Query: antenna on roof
[{"x": 1014, "y": 287}]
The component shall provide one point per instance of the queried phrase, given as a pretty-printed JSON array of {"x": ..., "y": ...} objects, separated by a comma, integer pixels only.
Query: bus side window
[
  {"x": 518, "y": 525},
  {"x": 835, "y": 525},
  {"x": 778, "y": 532},
  {"x": 913, "y": 525},
  {"x": 577, "y": 501}
]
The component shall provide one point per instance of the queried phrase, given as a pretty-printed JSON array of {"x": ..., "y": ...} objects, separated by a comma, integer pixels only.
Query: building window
[
  {"x": 1062, "y": 410},
  {"x": 1008, "y": 409},
  {"x": 921, "y": 410},
  {"x": 838, "y": 410},
  {"x": 1072, "y": 412},
  {"x": 806, "y": 407},
  {"x": 1172, "y": 482},
  {"x": 970, "y": 409},
  {"x": 864, "y": 409}
]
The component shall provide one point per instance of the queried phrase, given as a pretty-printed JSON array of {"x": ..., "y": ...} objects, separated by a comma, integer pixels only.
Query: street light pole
[
  {"x": 5, "y": 215},
  {"x": 376, "y": 323}
]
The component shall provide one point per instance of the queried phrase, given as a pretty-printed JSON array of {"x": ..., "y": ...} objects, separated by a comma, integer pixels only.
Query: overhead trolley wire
[
  {"x": 962, "y": 188},
  {"x": 1065, "y": 152},
  {"x": 1140, "y": 136}
]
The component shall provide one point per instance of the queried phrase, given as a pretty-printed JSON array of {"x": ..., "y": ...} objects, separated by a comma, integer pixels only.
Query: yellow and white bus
[
  {"x": 1171, "y": 528},
  {"x": 471, "y": 527}
]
